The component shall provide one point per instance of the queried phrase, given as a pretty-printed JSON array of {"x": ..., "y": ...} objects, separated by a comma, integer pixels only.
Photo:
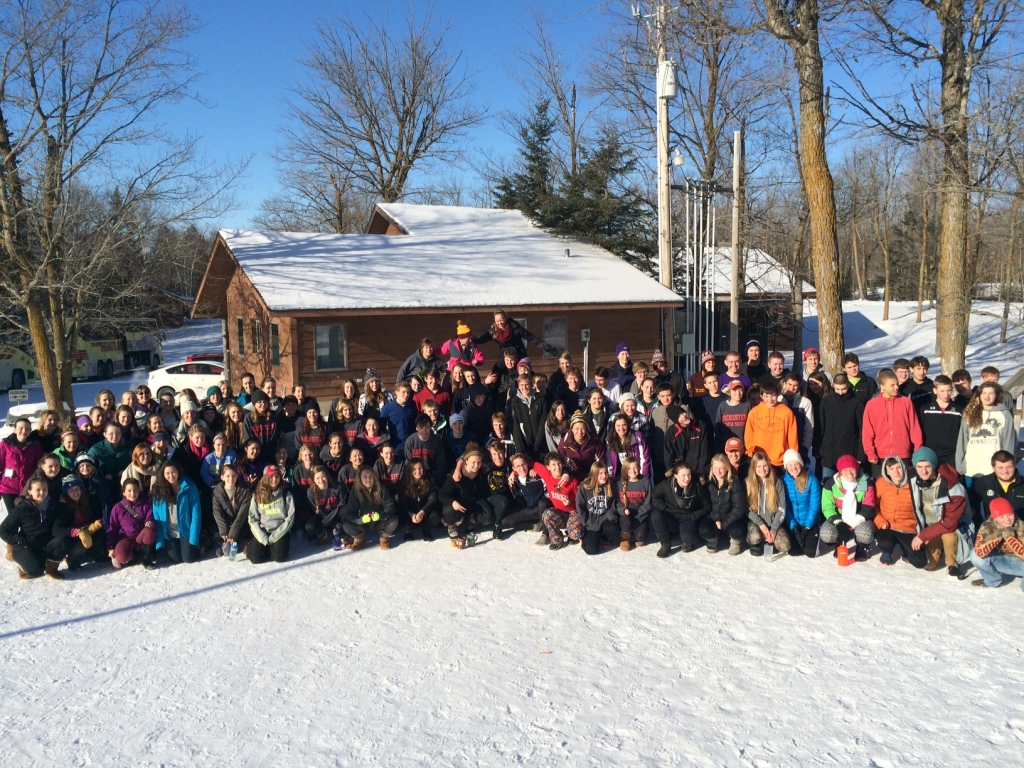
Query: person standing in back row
[
  {"x": 863, "y": 386},
  {"x": 891, "y": 427},
  {"x": 754, "y": 367}
]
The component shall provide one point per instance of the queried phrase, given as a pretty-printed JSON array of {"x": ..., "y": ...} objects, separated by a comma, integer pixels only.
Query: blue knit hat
[{"x": 925, "y": 454}]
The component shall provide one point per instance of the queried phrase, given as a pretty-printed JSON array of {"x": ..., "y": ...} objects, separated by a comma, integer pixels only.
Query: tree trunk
[
  {"x": 923, "y": 270},
  {"x": 856, "y": 257},
  {"x": 953, "y": 279},
  {"x": 1006, "y": 272}
]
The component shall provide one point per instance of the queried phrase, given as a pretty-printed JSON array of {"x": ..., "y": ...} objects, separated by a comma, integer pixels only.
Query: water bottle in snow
[
  {"x": 336, "y": 541},
  {"x": 233, "y": 552}
]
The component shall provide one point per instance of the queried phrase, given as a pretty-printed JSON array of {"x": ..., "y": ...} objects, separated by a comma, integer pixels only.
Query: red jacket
[{"x": 890, "y": 428}]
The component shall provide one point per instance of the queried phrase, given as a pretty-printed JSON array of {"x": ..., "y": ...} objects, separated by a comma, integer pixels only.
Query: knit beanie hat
[
  {"x": 708, "y": 355},
  {"x": 82, "y": 421},
  {"x": 187, "y": 405},
  {"x": 847, "y": 462},
  {"x": 524, "y": 361},
  {"x": 259, "y": 396},
  {"x": 371, "y": 373},
  {"x": 809, "y": 350},
  {"x": 620, "y": 348},
  {"x": 461, "y": 329},
  {"x": 578, "y": 418},
  {"x": 925, "y": 454},
  {"x": 210, "y": 391},
  {"x": 1000, "y": 507},
  {"x": 657, "y": 357},
  {"x": 790, "y": 456}
]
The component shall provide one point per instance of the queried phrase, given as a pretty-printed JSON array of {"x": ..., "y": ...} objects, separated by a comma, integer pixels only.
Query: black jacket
[
  {"x": 466, "y": 491},
  {"x": 690, "y": 504},
  {"x": 865, "y": 389},
  {"x": 842, "y": 421},
  {"x": 692, "y": 444},
  {"x": 528, "y": 425},
  {"x": 728, "y": 502},
  {"x": 940, "y": 429},
  {"x": 988, "y": 487},
  {"x": 26, "y": 526}
]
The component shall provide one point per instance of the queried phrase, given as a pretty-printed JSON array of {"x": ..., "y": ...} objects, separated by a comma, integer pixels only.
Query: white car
[
  {"x": 31, "y": 411},
  {"x": 197, "y": 376}
]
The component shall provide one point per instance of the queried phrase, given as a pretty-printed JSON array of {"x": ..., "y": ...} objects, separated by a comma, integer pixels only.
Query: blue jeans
[
  {"x": 180, "y": 551},
  {"x": 993, "y": 567}
]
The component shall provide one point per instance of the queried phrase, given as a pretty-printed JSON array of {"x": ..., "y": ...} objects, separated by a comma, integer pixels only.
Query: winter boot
[
  {"x": 861, "y": 555},
  {"x": 461, "y": 543},
  {"x": 51, "y": 569},
  {"x": 385, "y": 541},
  {"x": 639, "y": 543},
  {"x": 885, "y": 558},
  {"x": 557, "y": 544},
  {"x": 498, "y": 533},
  {"x": 665, "y": 539},
  {"x": 116, "y": 563},
  {"x": 10, "y": 552},
  {"x": 321, "y": 540},
  {"x": 543, "y": 541},
  {"x": 712, "y": 545},
  {"x": 428, "y": 534},
  {"x": 954, "y": 570},
  {"x": 975, "y": 583},
  {"x": 757, "y": 550},
  {"x": 356, "y": 544},
  {"x": 735, "y": 547},
  {"x": 624, "y": 542}
]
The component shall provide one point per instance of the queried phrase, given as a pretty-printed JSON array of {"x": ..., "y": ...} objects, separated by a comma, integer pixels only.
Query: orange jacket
[
  {"x": 772, "y": 430},
  {"x": 894, "y": 506}
]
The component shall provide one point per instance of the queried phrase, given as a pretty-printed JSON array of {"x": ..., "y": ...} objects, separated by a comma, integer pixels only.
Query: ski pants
[
  {"x": 888, "y": 539},
  {"x": 257, "y": 552}
]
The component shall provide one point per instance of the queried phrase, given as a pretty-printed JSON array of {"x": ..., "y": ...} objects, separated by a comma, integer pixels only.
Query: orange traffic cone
[{"x": 844, "y": 555}]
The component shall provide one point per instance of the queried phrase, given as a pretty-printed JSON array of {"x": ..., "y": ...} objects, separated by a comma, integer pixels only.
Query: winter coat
[
  {"x": 579, "y": 458},
  {"x": 212, "y": 465},
  {"x": 111, "y": 460},
  {"x": 18, "y": 461},
  {"x": 975, "y": 445},
  {"x": 803, "y": 412},
  {"x": 624, "y": 377},
  {"x": 467, "y": 491},
  {"x": 832, "y": 498},
  {"x": 941, "y": 428},
  {"x": 231, "y": 514},
  {"x": 661, "y": 427},
  {"x": 989, "y": 487},
  {"x": 803, "y": 508},
  {"x": 442, "y": 398},
  {"x": 329, "y": 504},
  {"x": 127, "y": 520},
  {"x": 637, "y": 449},
  {"x": 190, "y": 516},
  {"x": 728, "y": 502},
  {"x": 33, "y": 527},
  {"x": 594, "y": 508},
  {"x": 994, "y": 539},
  {"x": 597, "y": 422},
  {"x": 842, "y": 419},
  {"x": 891, "y": 428},
  {"x": 528, "y": 421},
  {"x": 515, "y": 336},
  {"x": 762, "y": 514},
  {"x": 411, "y": 505},
  {"x": 689, "y": 504},
  {"x": 144, "y": 475},
  {"x": 271, "y": 522},
  {"x": 562, "y": 499},
  {"x": 470, "y": 355},
  {"x": 894, "y": 503},
  {"x": 772, "y": 430},
  {"x": 691, "y": 444},
  {"x": 950, "y": 507},
  {"x": 416, "y": 365},
  {"x": 529, "y": 492},
  {"x": 865, "y": 388}
]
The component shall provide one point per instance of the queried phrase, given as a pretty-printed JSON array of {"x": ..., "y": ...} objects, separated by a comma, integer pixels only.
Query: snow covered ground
[{"x": 510, "y": 654}]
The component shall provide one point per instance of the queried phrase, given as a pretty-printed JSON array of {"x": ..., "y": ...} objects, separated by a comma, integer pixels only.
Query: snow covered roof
[
  {"x": 762, "y": 273},
  {"x": 450, "y": 256}
]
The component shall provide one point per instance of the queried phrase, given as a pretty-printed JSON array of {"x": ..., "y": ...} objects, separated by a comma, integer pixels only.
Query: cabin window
[
  {"x": 275, "y": 344},
  {"x": 240, "y": 333},
  {"x": 331, "y": 347},
  {"x": 556, "y": 333}
]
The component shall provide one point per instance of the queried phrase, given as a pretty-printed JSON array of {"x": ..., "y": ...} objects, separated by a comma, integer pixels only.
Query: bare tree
[
  {"x": 796, "y": 23},
  {"x": 946, "y": 42},
  {"x": 379, "y": 105},
  {"x": 86, "y": 168}
]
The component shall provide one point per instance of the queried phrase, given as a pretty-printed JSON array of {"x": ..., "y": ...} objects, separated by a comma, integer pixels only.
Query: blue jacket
[
  {"x": 190, "y": 517},
  {"x": 212, "y": 466},
  {"x": 400, "y": 421},
  {"x": 803, "y": 509}
]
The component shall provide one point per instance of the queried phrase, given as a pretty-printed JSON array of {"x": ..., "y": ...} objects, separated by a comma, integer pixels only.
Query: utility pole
[
  {"x": 737, "y": 207},
  {"x": 666, "y": 89}
]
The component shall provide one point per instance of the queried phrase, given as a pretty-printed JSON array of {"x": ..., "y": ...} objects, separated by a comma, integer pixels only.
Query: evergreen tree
[{"x": 531, "y": 188}]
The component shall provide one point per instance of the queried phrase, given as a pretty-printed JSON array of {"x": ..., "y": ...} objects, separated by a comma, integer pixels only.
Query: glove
[
  {"x": 366, "y": 519},
  {"x": 374, "y": 516},
  {"x": 85, "y": 537},
  {"x": 97, "y": 526}
]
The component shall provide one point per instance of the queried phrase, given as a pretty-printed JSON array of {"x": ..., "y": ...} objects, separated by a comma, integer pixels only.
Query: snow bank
[{"x": 507, "y": 653}]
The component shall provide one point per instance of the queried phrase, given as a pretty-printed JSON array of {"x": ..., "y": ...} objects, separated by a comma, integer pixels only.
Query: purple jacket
[
  {"x": 637, "y": 450},
  {"x": 127, "y": 520},
  {"x": 18, "y": 461},
  {"x": 579, "y": 458}
]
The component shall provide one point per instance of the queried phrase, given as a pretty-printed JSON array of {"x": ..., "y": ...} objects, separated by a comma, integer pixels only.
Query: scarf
[
  {"x": 200, "y": 452},
  {"x": 502, "y": 336},
  {"x": 849, "y": 505}
]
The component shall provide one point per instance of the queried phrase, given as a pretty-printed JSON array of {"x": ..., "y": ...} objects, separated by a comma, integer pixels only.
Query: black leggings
[
  {"x": 592, "y": 539},
  {"x": 277, "y": 551},
  {"x": 888, "y": 539},
  {"x": 479, "y": 514}
]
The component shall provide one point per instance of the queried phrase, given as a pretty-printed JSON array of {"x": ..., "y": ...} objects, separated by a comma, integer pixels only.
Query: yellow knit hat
[{"x": 461, "y": 329}]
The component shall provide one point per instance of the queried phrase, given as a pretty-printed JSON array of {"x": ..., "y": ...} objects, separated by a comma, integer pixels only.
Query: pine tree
[{"x": 530, "y": 189}]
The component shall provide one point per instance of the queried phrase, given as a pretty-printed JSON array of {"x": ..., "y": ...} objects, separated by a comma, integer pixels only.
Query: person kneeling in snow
[
  {"x": 999, "y": 550},
  {"x": 370, "y": 508},
  {"x": 131, "y": 534},
  {"x": 681, "y": 504},
  {"x": 896, "y": 520},
  {"x": 848, "y": 501},
  {"x": 940, "y": 503},
  {"x": 37, "y": 531},
  {"x": 271, "y": 516},
  {"x": 598, "y": 508}
]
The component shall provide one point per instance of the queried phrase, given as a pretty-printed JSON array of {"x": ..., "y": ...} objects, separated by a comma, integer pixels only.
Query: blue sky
[{"x": 248, "y": 52}]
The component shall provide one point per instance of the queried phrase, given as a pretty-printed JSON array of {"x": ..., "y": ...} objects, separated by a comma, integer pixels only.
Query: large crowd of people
[{"x": 742, "y": 454}]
